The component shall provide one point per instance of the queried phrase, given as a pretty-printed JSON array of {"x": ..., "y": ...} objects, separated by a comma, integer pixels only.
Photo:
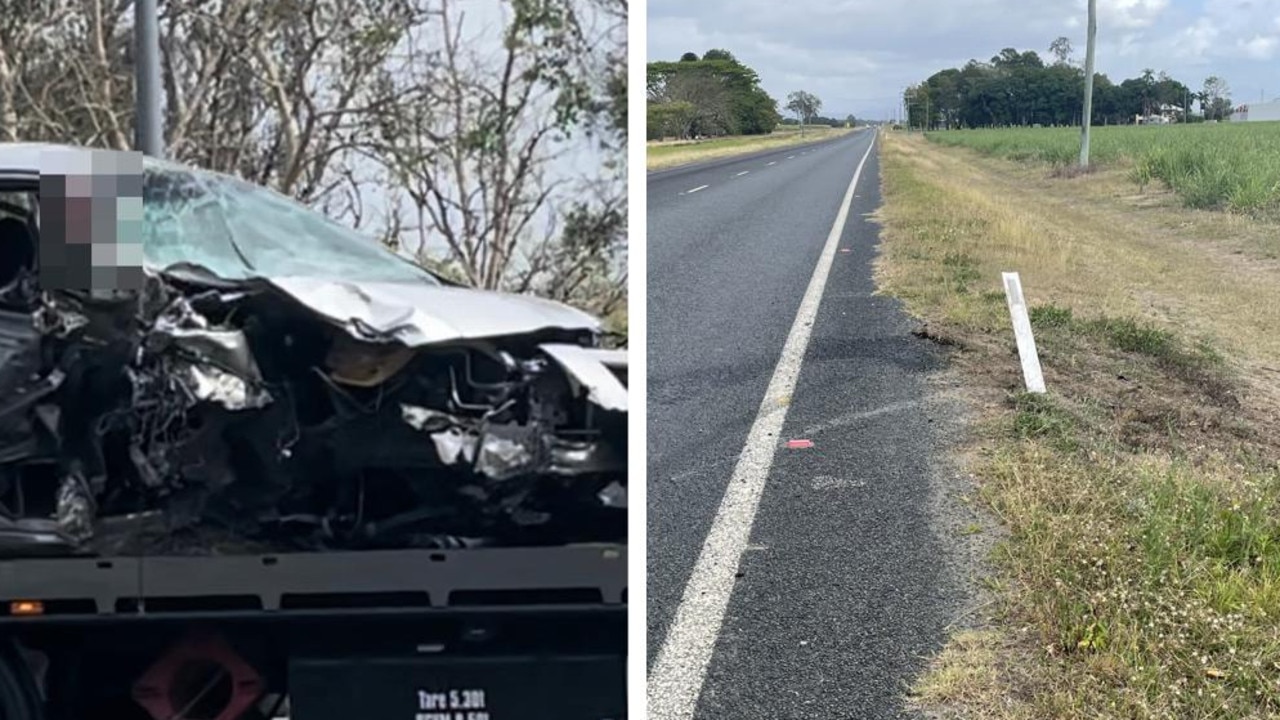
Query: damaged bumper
[{"x": 306, "y": 414}]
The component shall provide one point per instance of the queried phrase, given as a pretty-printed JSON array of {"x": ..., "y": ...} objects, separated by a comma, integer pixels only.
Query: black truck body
[{"x": 539, "y": 632}]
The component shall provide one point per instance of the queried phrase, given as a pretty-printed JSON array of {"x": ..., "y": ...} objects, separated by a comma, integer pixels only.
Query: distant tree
[
  {"x": 689, "y": 57},
  {"x": 1215, "y": 98},
  {"x": 1221, "y": 108},
  {"x": 758, "y": 113},
  {"x": 671, "y": 119},
  {"x": 725, "y": 94},
  {"x": 1010, "y": 58},
  {"x": 1018, "y": 88},
  {"x": 828, "y": 121},
  {"x": 1107, "y": 98},
  {"x": 1149, "y": 90},
  {"x": 1061, "y": 50},
  {"x": 945, "y": 97},
  {"x": 805, "y": 105},
  {"x": 922, "y": 109},
  {"x": 702, "y": 90},
  {"x": 1170, "y": 92}
]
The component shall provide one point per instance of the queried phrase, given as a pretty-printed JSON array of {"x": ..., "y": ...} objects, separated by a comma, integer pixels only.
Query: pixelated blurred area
[{"x": 91, "y": 221}]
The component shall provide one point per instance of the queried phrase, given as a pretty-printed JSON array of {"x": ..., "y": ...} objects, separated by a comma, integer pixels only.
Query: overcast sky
[{"x": 858, "y": 55}]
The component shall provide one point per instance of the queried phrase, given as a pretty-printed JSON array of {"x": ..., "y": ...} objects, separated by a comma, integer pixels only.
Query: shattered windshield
[{"x": 238, "y": 230}]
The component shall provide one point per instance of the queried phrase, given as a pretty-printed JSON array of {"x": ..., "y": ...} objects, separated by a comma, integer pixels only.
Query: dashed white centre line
[
  {"x": 775, "y": 162},
  {"x": 681, "y": 667},
  {"x": 700, "y": 187},
  {"x": 791, "y": 157},
  {"x": 744, "y": 172}
]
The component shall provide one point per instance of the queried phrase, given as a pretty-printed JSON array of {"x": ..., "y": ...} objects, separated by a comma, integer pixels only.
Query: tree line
[
  {"x": 847, "y": 120},
  {"x": 1020, "y": 89},
  {"x": 438, "y": 135},
  {"x": 704, "y": 96}
]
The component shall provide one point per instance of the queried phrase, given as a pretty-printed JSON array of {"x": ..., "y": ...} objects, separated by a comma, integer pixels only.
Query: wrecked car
[{"x": 279, "y": 381}]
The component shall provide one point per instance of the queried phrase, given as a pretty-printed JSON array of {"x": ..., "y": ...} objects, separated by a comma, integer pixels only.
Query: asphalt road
[{"x": 836, "y": 586}]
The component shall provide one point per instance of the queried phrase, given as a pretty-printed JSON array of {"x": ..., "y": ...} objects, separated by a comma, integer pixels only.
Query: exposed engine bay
[{"x": 204, "y": 415}]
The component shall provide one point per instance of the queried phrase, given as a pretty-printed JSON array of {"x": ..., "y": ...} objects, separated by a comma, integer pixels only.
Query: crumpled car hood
[{"x": 421, "y": 314}]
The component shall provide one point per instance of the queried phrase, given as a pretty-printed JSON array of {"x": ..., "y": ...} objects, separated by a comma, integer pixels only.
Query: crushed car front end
[{"x": 279, "y": 383}]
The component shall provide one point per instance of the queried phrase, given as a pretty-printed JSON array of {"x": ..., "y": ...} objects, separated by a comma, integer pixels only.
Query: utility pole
[
  {"x": 1088, "y": 84},
  {"x": 150, "y": 135}
]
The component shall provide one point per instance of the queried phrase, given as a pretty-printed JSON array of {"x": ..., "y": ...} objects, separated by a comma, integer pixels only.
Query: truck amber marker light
[{"x": 26, "y": 607}]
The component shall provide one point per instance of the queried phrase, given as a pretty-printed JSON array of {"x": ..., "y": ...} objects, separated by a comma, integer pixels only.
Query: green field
[{"x": 1220, "y": 167}]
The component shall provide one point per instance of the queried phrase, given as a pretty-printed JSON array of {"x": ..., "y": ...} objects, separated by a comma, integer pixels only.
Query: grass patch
[
  {"x": 1150, "y": 585},
  {"x": 1129, "y": 335},
  {"x": 1051, "y": 316},
  {"x": 660, "y": 155},
  {"x": 1040, "y": 417},
  {"x": 1224, "y": 166},
  {"x": 1139, "y": 574}
]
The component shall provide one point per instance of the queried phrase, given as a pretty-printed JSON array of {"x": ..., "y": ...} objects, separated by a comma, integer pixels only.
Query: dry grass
[
  {"x": 1092, "y": 244},
  {"x": 1140, "y": 574},
  {"x": 974, "y": 673},
  {"x": 661, "y": 155}
]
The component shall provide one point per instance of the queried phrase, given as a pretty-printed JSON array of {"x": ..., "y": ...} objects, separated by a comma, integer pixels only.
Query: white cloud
[
  {"x": 1129, "y": 14},
  {"x": 1199, "y": 39},
  {"x": 1259, "y": 48}
]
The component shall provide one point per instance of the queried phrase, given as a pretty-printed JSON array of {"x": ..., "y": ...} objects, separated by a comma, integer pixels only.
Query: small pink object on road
[{"x": 799, "y": 444}]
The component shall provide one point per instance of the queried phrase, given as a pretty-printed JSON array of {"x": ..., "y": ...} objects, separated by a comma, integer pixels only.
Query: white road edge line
[
  {"x": 681, "y": 667},
  {"x": 700, "y": 187},
  {"x": 744, "y": 172}
]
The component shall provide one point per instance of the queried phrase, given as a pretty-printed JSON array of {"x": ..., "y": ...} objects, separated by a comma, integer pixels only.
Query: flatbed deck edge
[{"x": 276, "y": 583}]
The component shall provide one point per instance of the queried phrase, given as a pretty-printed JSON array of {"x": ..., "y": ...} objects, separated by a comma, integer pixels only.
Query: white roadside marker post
[{"x": 1031, "y": 372}]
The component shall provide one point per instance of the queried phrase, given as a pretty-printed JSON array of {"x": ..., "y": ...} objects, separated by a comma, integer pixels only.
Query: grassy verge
[
  {"x": 667, "y": 155},
  {"x": 1218, "y": 166},
  {"x": 1138, "y": 574}
]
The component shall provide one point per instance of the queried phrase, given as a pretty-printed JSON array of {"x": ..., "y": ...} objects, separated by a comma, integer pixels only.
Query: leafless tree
[
  {"x": 402, "y": 116},
  {"x": 474, "y": 142}
]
